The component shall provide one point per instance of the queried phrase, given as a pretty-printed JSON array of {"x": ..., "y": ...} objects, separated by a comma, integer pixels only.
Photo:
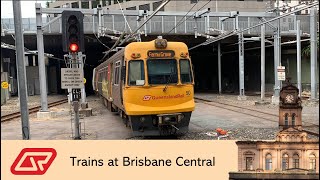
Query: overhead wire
[
  {"x": 254, "y": 48},
  {"x": 114, "y": 45},
  {"x": 120, "y": 37},
  {"x": 132, "y": 33},
  {"x": 189, "y": 16},
  {"x": 246, "y": 29},
  {"x": 100, "y": 41},
  {"x": 96, "y": 35},
  {"x": 26, "y": 50},
  {"x": 182, "y": 18},
  {"x": 125, "y": 19},
  {"x": 148, "y": 18}
]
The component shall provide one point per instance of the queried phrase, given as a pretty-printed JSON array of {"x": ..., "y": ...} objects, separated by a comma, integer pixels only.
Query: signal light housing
[{"x": 72, "y": 31}]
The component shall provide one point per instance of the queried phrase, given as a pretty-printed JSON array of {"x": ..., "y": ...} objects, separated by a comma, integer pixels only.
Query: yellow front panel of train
[{"x": 153, "y": 100}]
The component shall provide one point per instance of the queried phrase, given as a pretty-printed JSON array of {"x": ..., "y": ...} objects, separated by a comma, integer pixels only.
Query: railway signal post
[{"x": 72, "y": 76}]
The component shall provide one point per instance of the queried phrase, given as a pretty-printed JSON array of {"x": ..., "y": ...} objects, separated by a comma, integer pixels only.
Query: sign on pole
[
  {"x": 281, "y": 73},
  {"x": 72, "y": 78},
  {"x": 5, "y": 85}
]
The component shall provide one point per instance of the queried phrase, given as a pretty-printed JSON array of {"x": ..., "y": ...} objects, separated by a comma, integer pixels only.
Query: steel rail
[
  {"x": 14, "y": 115},
  {"x": 209, "y": 102}
]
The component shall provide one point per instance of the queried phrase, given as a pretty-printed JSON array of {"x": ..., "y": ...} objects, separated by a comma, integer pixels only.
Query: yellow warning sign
[
  {"x": 5, "y": 85},
  {"x": 84, "y": 80}
]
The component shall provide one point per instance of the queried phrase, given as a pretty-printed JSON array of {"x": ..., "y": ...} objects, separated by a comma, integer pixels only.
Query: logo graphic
[
  {"x": 147, "y": 98},
  {"x": 33, "y": 161}
]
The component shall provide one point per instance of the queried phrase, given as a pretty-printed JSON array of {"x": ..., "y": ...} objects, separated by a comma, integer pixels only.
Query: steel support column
[
  {"x": 241, "y": 61},
  {"x": 83, "y": 91},
  {"x": 298, "y": 57},
  {"x": 275, "y": 98},
  {"x": 75, "y": 101},
  {"x": 42, "y": 66},
  {"x": 21, "y": 70},
  {"x": 313, "y": 49},
  {"x": 99, "y": 21},
  {"x": 207, "y": 24},
  {"x": 279, "y": 51},
  {"x": 241, "y": 67},
  {"x": 219, "y": 67},
  {"x": 263, "y": 62},
  {"x": 277, "y": 59}
]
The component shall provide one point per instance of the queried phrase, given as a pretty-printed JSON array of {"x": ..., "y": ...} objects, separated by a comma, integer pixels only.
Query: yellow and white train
[{"x": 151, "y": 85}]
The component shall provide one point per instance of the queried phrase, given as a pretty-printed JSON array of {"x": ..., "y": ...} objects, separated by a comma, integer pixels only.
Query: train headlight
[
  {"x": 135, "y": 55},
  {"x": 184, "y": 55}
]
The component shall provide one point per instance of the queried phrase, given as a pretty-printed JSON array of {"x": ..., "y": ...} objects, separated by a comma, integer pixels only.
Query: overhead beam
[{"x": 162, "y": 13}]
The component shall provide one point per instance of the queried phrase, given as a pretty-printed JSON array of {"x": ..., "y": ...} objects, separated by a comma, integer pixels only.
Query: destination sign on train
[{"x": 161, "y": 54}]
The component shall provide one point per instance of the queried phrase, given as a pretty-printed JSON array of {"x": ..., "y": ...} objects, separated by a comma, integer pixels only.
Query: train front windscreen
[{"x": 162, "y": 71}]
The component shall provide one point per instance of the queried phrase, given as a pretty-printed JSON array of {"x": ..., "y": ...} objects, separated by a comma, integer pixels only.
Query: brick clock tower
[{"x": 290, "y": 107}]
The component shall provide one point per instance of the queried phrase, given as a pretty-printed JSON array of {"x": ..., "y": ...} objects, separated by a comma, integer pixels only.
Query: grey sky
[{"x": 27, "y": 8}]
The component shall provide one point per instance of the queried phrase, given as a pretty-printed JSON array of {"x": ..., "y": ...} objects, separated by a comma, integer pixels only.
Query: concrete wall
[
  {"x": 33, "y": 80},
  {"x": 289, "y": 60},
  {"x": 52, "y": 80},
  {"x": 4, "y": 92},
  {"x": 4, "y": 77}
]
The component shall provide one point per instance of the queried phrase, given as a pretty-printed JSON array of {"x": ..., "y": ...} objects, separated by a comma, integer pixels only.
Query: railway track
[
  {"x": 249, "y": 111},
  {"x": 14, "y": 115}
]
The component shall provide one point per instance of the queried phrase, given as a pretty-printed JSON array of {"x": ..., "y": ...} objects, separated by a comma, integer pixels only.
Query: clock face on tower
[{"x": 289, "y": 98}]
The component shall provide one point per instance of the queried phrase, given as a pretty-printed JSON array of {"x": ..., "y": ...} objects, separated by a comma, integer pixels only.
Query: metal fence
[{"x": 163, "y": 24}]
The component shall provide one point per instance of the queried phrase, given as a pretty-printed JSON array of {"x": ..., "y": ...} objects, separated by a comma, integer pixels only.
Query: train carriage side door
[
  {"x": 109, "y": 77},
  {"x": 122, "y": 78},
  {"x": 100, "y": 81}
]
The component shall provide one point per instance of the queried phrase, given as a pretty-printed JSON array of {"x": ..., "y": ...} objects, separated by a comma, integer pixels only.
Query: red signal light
[{"x": 74, "y": 47}]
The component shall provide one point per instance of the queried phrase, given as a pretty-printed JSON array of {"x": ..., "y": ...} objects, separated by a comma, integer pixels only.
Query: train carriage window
[
  {"x": 136, "y": 73},
  {"x": 116, "y": 73},
  {"x": 162, "y": 71},
  {"x": 185, "y": 71}
]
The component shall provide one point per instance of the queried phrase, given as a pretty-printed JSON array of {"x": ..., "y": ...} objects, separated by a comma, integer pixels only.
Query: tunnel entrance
[{"x": 205, "y": 62}]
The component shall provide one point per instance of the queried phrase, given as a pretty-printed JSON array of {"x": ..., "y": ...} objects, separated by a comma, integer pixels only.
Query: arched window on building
[
  {"x": 268, "y": 162},
  {"x": 312, "y": 161},
  {"x": 286, "y": 121},
  {"x": 293, "y": 119},
  {"x": 296, "y": 161},
  {"x": 285, "y": 162}
]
